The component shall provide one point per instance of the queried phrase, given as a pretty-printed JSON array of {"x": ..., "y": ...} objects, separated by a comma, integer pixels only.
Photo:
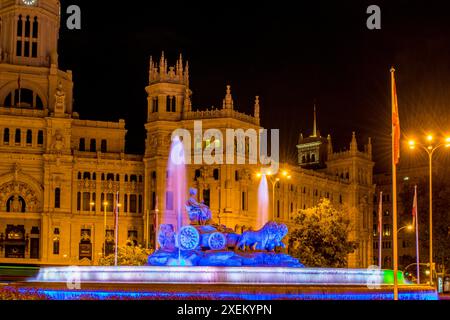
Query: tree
[
  {"x": 441, "y": 217},
  {"x": 128, "y": 255},
  {"x": 320, "y": 237}
]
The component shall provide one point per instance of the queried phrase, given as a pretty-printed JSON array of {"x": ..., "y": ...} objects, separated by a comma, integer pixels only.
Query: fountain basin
[{"x": 256, "y": 283}]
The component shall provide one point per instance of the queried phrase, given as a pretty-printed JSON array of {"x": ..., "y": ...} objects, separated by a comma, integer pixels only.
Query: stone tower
[
  {"x": 355, "y": 167},
  {"x": 29, "y": 75},
  {"x": 312, "y": 151},
  {"x": 169, "y": 102}
]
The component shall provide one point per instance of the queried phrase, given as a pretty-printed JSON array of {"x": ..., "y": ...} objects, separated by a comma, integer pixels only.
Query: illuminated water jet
[{"x": 263, "y": 202}]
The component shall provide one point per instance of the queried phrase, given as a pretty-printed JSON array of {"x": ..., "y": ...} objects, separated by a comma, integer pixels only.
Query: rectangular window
[
  {"x": 19, "y": 48},
  {"x": 125, "y": 203},
  {"x": 133, "y": 203},
  {"x": 56, "y": 246},
  {"x": 244, "y": 201},
  {"x": 104, "y": 146},
  {"x": 40, "y": 137},
  {"x": 82, "y": 146},
  {"x": 57, "y": 198},
  {"x": 78, "y": 201},
  {"x": 6, "y": 136},
  {"x": 153, "y": 200},
  {"x": 110, "y": 199},
  {"x": 26, "y": 49},
  {"x": 278, "y": 208},
  {"x": 86, "y": 201},
  {"x": 93, "y": 146},
  {"x": 140, "y": 204},
  {"x": 34, "y": 49}
]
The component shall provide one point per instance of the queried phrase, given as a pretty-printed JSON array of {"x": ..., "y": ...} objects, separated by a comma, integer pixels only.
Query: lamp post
[
  {"x": 430, "y": 148},
  {"x": 105, "y": 204}
]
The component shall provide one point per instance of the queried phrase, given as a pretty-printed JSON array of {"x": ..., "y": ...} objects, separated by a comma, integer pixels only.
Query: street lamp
[
  {"x": 409, "y": 227},
  {"x": 105, "y": 204},
  {"x": 430, "y": 148}
]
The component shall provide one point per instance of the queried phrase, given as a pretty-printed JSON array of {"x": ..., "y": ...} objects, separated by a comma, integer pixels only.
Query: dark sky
[{"x": 288, "y": 52}]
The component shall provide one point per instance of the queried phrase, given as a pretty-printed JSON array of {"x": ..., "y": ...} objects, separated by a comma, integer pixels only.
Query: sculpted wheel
[
  {"x": 217, "y": 241},
  {"x": 189, "y": 238}
]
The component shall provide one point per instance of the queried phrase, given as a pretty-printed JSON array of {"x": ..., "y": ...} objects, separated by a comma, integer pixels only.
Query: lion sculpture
[{"x": 268, "y": 238}]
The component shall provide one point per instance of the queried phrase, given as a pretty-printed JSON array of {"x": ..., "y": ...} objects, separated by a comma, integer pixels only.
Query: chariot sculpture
[{"x": 204, "y": 243}]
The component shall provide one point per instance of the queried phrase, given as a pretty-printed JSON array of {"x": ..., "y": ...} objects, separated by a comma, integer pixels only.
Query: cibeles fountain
[{"x": 198, "y": 258}]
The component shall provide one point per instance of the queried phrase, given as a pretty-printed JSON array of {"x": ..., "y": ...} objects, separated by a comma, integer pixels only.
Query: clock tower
[
  {"x": 29, "y": 74},
  {"x": 29, "y": 31}
]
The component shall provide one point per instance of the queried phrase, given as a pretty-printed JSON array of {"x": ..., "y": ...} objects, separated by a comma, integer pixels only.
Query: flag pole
[
  {"x": 394, "y": 180},
  {"x": 116, "y": 228},
  {"x": 380, "y": 220},
  {"x": 417, "y": 236}
]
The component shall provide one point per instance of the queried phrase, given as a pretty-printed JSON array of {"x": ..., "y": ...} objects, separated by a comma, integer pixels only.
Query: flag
[
  {"x": 380, "y": 214},
  {"x": 414, "y": 209},
  {"x": 395, "y": 120}
]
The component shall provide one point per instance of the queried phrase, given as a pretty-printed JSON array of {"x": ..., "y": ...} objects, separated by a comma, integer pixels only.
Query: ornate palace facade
[{"x": 60, "y": 175}]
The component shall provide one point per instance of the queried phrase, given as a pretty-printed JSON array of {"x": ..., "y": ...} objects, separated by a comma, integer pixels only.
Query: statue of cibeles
[{"x": 199, "y": 213}]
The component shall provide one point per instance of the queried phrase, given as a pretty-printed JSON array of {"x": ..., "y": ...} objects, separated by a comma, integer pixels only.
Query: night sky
[{"x": 289, "y": 53}]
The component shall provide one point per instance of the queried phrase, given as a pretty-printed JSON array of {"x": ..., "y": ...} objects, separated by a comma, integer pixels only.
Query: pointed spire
[
  {"x": 354, "y": 143},
  {"x": 228, "y": 101},
  {"x": 186, "y": 74},
  {"x": 330, "y": 145},
  {"x": 369, "y": 148},
  {"x": 257, "y": 107},
  {"x": 300, "y": 138},
  {"x": 150, "y": 72}
]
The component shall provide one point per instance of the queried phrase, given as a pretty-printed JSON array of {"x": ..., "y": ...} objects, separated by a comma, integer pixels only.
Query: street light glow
[
  {"x": 410, "y": 227},
  {"x": 285, "y": 173},
  {"x": 105, "y": 203},
  {"x": 412, "y": 144},
  {"x": 430, "y": 138},
  {"x": 447, "y": 141}
]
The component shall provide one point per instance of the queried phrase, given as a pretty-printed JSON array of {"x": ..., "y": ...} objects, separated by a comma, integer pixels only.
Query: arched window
[
  {"x": 19, "y": 36},
  {"x": 87, "y": 176},
  {"x": 19, "y": 26},
  {"x": 57, "y": 198},
  {"x": 17, "y": 137},
  {"x": 27, "y": 27},
  {"x": 35, "y": 27}
]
